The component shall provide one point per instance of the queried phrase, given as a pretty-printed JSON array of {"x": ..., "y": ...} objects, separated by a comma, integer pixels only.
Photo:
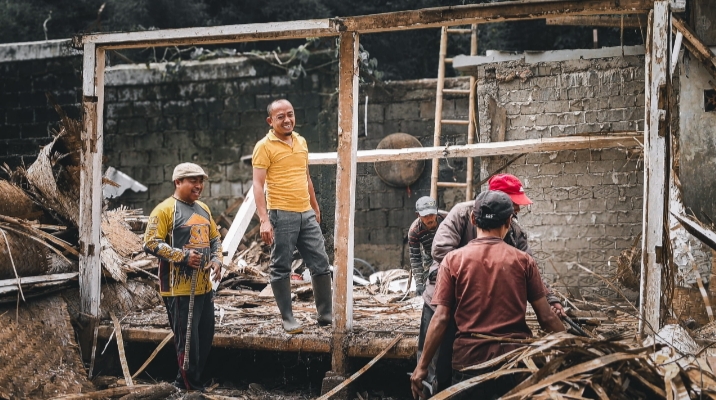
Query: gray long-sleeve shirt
[{"x": 457, "y": 230}]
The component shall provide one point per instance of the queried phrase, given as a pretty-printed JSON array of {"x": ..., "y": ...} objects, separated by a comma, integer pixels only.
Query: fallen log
[
  {"x": 104, "y": 394},
  {"x": 160, "y": 391}
]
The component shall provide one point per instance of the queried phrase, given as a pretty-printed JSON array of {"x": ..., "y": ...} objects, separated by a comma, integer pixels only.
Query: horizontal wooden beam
[
  {"x": 490, "y": 12},
  {"x": 605, "y": 21},
  {"x": 626, "y": 140},
  {"x": 359, "y": 347},
  {"x": 394, "y": 21},
  {"x": 211, "y": 35}
]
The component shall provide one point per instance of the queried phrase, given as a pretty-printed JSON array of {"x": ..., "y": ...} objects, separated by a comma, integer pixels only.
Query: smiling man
[
  {"x": 289, "y": 213},
  {"x": 183, "y": 236}
]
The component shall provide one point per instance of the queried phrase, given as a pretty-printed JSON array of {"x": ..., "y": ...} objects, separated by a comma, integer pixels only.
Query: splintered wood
[{"x": 563, "y": 366}]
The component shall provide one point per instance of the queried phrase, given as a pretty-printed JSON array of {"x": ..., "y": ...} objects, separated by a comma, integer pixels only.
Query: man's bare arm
[
  {"x": 546, "y": 318},
  {"x": 433, "y": 338},
  {"x": 312, "y": 194},
  {"x": 260, "y": 198}
]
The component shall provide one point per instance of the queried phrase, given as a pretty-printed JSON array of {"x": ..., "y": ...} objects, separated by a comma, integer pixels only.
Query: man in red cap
[{"x": 455, "y": 232}]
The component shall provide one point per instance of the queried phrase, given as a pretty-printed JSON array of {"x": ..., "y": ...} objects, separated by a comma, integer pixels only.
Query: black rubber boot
[
  {"x": 282, "y": 294},
  {"x": 324, "y": 298}
]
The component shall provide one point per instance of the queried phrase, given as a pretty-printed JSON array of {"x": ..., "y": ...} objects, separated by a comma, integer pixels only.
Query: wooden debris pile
[
  {"x": 563, "y": 366},
  {"x": 39, "y": 218}
]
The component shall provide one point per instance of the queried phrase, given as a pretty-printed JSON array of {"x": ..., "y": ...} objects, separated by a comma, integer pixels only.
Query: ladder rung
[
  {"x": 459, "y": 30},
  {"x": 455, "y": 121},
  {"x": 452, "y": 184},
  {"x": 448, "y": 61},
  {"x": 456, "y": 91}
]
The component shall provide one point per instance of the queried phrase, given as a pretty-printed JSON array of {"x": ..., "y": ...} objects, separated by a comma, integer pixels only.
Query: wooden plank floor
[{"x": 245, "y": 320}]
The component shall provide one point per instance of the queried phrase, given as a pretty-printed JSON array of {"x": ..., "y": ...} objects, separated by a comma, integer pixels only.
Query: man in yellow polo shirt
[{"x": 289, "y": 213}]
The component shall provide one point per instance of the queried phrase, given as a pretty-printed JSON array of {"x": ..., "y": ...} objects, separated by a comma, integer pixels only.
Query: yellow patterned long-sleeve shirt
[{"x": 175, "y": 228}]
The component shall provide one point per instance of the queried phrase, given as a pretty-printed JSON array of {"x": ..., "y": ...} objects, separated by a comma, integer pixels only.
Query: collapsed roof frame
[{"x": 348, "y": 30}]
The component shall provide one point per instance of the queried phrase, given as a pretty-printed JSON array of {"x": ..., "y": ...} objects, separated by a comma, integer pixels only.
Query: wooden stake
[
  {"x": 120, "y": 349},
  {"x": 161, "y": 345}
]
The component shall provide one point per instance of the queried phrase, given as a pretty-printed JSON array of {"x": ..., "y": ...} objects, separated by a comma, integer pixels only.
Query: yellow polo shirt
[{"x": 286, "y": 172}]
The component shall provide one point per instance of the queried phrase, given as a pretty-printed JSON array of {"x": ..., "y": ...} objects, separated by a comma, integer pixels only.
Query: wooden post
[
  {"x": 91, "y": 188},
  {"x": 655, "y": 134},
  {"x": 435, "y": 173},
  {"x": 472, "y": 129},
  {"x": 345, "y": 201}
]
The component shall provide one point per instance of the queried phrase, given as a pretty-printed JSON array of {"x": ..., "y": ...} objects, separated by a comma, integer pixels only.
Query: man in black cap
[{"x": 501, "y": 280}]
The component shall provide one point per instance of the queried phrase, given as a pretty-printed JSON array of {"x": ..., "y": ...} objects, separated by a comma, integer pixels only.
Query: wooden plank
[
  {"x": 28, "y": 280},
  {"x": 695, "y": 45},
  {"x": 361, "y": 371},
  {"x": 675, "y": 52},
  {"x": 498, "y": 117},
  {"x": 238, "y": 227},
  {"x": 654, "y": 168},
  {"x": 605, "y": 21},
  {"x": 490, "y": 12},
  {"x": 435, "y": 171},
  {"x": 211, "y": 35},
  {"x": 706, "y": 236},
  {"x": 346, "y": 167},
  {"x": 359, "y": 347},
  {"x": 617, "y": 140},
  {"x": 91, "y": 181}
]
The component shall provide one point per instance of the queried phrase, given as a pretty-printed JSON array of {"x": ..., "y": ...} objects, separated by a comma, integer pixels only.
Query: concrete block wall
[
  {"x": 211, "y": 113},
  {"x": 27, "y": 72},
  {"x": 587, "y": 203},
  {"x": 384, "y": 213}
]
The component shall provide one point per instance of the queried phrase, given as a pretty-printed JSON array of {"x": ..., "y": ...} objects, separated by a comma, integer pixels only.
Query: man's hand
[
  {"x": 194, "y": 259},
  {"x": 266, "y": 232},
  {"x": 416, "y": 381},
  {"x": 318, "y": 215},
  {"x": 558, "y": 309},
  {"x": 216, "y": 267},
  {"x": 419, "y": 289}
]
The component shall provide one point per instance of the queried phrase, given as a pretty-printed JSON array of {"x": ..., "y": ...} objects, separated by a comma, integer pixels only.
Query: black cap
[{"x": 493, "y": 205}]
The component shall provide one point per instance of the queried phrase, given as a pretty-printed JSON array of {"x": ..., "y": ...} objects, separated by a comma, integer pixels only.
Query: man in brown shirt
[{"x": 486, "y": 286}]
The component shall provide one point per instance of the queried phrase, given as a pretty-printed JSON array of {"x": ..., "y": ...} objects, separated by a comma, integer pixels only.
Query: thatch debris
[
  {"x": 563, "y": 366},
  {"x": 40, "y": 358}
]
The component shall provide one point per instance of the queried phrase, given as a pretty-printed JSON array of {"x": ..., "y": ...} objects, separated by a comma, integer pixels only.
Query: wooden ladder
[{"x": 439, "y": 121}]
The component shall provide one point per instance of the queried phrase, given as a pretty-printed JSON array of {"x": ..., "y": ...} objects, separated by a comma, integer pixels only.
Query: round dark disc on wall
[{"x": 399, "y": 173}]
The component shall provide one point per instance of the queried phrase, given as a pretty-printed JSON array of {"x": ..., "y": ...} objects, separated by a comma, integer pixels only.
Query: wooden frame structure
[{"x": 349, "y": 30}]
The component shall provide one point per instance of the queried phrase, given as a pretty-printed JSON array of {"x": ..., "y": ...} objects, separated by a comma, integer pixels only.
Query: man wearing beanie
[
  {"x": 455, "y": 232},
  {"x": 183, "y": 236},
  {"x": 485, "y": 286},
  {"x": 289, "y": 214}
]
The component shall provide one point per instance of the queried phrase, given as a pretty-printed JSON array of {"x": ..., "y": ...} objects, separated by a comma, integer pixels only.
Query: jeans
[
  {"x": 440, "y": 367},
  {"x": 296, "y": 230}
]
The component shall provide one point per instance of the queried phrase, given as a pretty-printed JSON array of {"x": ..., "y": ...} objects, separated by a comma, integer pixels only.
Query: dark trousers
[
  {"x": 296, "y": 230},
  {"x": 491, "y": 389},
  {"x": 202, "y": 335},
  {"x": 440, "y": 368}
]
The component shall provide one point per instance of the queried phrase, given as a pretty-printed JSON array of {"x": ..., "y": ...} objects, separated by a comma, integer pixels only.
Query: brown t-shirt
[{"x": 487, "y": 285}]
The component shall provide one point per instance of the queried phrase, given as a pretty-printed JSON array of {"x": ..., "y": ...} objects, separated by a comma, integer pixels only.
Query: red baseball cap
[{"x": 511, "y": 186}]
